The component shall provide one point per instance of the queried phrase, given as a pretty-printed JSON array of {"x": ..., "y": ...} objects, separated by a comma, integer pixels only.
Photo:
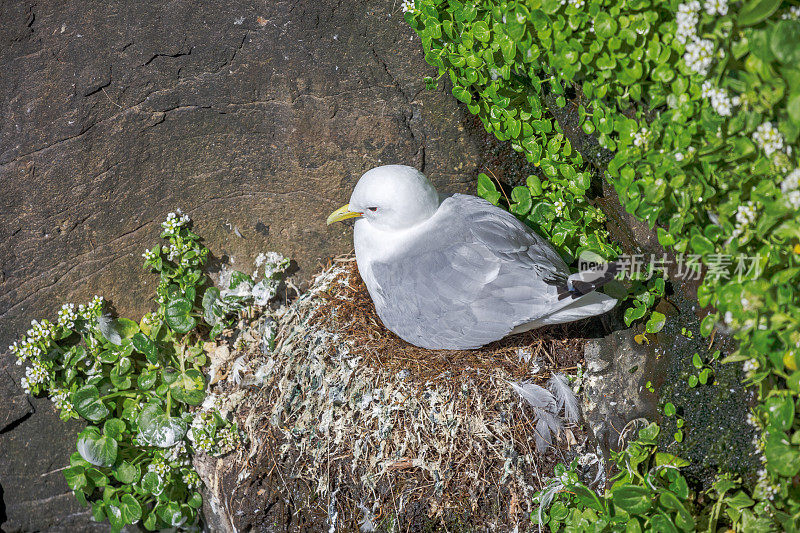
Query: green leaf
[
  {"x": 783, "y": 41},
  {"x": 126, "y": 327},
  {"x": 669, "y": 409},
  {"x": 521, "y": 196},
  {"x": 604, "y": 25},
  {"x": 156, "y": 428},
  {"x": 707, "y": 324},
  {"x": 634, "y": 313},
  {"x": 780, "y": 411},
  {"x": 195, "y": 501},
  {"x": 188, "y": 387},
  {"x": 113, "y": 428},
  {"x": 171, "y": 514},
  {"x": 127, "y": 473},
  {"x": 131, "y": 509},
  {"x": 87, "y": 403},
  {"x": 701, "y": 244},
  {"x": 147, "y": 379},
  {"x": 662, "y": 458},
  {"x": 633, "y": 499},
  {"x": 76, "y": 477},
  {"x": 754, "y": 11},
  {"x": 238, "y": 278},
  {"x": 96, "y": 448},
  {"x": 146, "y": 346},
  {"x": 152, "y": 484},
  {"x": 481, "y": 31},
  {"x": 487, "y": 189},
  {"x": 462, "y": 94},
  {"x": 656, "y": 322},
  {"x": 177, "y": 315},
  {"x": 740, "y": 500},
  {"x": 649, "y": 433},
  {"x": 210, "y": 298}
]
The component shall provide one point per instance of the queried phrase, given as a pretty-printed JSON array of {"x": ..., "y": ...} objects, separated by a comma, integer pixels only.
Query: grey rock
[
  {"x": 614, "y": 390},
  {"x": 14, "y": 401},
  {"x": 255, "y": 118}
]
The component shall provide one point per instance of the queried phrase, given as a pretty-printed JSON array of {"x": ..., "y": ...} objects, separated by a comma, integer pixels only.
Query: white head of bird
[{"x": 390, "y": 198}]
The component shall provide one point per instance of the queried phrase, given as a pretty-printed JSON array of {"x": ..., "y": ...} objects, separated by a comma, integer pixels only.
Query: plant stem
[{"x": 128, "y": 394}]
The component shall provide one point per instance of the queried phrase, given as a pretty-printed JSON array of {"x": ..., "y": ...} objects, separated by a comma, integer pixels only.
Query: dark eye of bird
[{"x": 372, "y": 208}]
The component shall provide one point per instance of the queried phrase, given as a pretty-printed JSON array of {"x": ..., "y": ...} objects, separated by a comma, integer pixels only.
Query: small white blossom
[
  {"x": 720, "y": 101},
  {"x": 36, "y": 374},
  {"x": 750, "y": 366},
  {"x": 159, "y": 467},
  {"x": 745, "y": 216},
  {"x": 640, "y": 138},
  {"x": 687, "y": 18},
  {"x": 699, "y": 55},
  {"x": 791, "y": 189},
  {"x": 560, "y": 205},
  {"x": 67, "y": 316},
  {"x": 62, "y": 400},
  {"x": 768, "y": 138},
  {"x": 174, "y": 221},
  {"x": 150, "y": 255},
  {"x": 191, "y": 479},
  {"x": 792, "y": 14},
  {"x": 577, "y": 3},
  {"x": 716, "y": 7},
  {"x": 408, "y": 6}
]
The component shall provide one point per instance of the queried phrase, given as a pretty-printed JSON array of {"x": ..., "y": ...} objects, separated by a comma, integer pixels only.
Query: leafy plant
[
  {"x": 699, "y": 103},
  {"x": 139, "y": 386},
  {"x": 647, "y": 494}
]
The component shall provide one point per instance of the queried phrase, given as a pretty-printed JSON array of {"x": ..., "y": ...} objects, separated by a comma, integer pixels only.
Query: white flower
[
  {"x": 560, "y": 205},
  {"x": 791, "y": 189},
  {"x": 67, "y": 316},
  {"x": 745, "y": 216},
  {"x": 687, "y": 18},
  {"x": 577, "y": 3},
  {"x": 408, "y": 6},
  {"x": 750, "y": 367},
  {"x": 150, "y": 255},
  {"x": 640, "y": 137},
  {"x": 191, "y": 479},
  {"x": 159, "y": 467},
  {"x": 720, "y": 101},
  {"x": 792, "y": 14},
  {"x": 62, "y": 400},
  {"x": 714, "y": 7},
  {"x": 174, "y": 221},
  {"x": 699, "y": 55},
  {"x": 36, "y": 374},
  {"x": 768, "y": 138}
]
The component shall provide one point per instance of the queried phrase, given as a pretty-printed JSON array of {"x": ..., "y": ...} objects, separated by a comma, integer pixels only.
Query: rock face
[{"x": 254, "y": 118}]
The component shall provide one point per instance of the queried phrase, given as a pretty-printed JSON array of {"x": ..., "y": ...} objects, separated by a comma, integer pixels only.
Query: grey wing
[{"x": 477, "y": 274}]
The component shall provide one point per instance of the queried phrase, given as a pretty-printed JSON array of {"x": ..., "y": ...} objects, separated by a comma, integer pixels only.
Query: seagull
[{"x": 456, "y": 272}]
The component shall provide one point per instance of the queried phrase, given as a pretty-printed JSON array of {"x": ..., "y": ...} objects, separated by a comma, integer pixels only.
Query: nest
[{"x": 355, "y": 428}]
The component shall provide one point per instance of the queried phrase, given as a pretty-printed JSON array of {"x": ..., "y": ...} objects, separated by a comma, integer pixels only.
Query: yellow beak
[{"x": 343, "y": 213}]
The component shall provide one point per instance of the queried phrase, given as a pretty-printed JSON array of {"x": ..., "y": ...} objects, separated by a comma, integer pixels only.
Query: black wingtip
[{"x": 590, "y": 280}]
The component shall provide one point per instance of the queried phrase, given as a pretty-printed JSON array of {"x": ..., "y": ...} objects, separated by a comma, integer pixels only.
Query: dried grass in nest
[
  {"x": 348, "y": 308},
  {"x": 364, "y": 424}
]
